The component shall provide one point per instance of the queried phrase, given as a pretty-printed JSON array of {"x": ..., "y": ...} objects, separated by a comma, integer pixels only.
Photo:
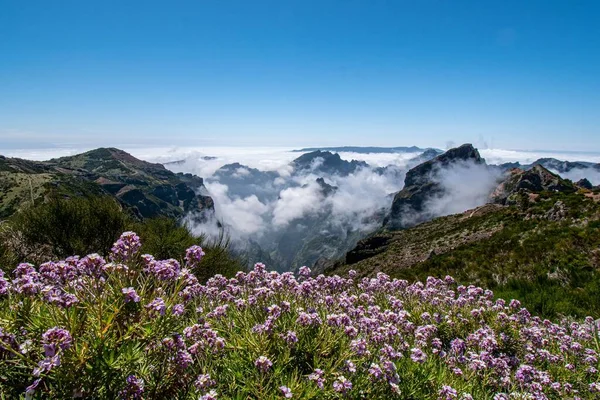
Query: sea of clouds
[{"x": 287, "y": 198}]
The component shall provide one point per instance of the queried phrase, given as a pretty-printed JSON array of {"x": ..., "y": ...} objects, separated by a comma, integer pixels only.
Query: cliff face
[
  {"x": 421, "y": 184},
  {"x": 535, "y": 180},
  {"x": 145, "y": 189}
]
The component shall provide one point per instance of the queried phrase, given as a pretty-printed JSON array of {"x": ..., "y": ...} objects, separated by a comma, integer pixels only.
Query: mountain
[
  {"x": 553, "y": 164},
  {"x": 561, "y": 166},
  {"x": 537, "y": 238},
  {"x": 145, "y": 189},
  {"x": 368, "y": 149},
  {"x": 585, "y": 184},
  {"x": 325, "y": 187},
  {"x": 531, "y": 181},
  {"x": 325, "y": 162},
  {"x": 243, "y": 181},
  {"x": 421, "y": 184},
  {"x": 543, "y": 249}
]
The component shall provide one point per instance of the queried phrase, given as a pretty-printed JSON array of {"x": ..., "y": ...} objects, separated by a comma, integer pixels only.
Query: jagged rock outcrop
[
  {"x": 421, "y": 184},
  {"x": 585, "y": 184},
  {"x": 367, "y": 248},
  {"x": 145, "y": 189},
  {"x": 326, "y": 162},
  {"x": 326, "y": 188},
  {"x": 535, "y": 180}
]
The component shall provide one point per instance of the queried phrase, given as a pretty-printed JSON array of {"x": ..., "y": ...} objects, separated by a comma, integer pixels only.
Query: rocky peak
[
  {"x": 585, "y": 184},
  {"x": 326, "y": 188},
  {"x": 421, "y": 173},
  {"x": 331, "y": 163},
  {"x": 534, "y": 180},
  {"x": 420, "y": 185}
]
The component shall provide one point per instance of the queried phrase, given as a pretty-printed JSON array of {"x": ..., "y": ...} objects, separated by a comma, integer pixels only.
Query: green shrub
[
  {"x": 73, "y": 226},
  {"x": 164, "y": 238}
]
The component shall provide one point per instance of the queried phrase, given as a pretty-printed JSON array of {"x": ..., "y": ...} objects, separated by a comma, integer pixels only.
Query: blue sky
[{"x": 509, "y": 74}]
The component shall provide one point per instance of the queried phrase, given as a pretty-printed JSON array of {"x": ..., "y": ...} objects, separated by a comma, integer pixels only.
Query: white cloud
[
  {"x": 465, "y": 185},
  {"x": 499, "y": 156},
  {"x": 241, "y": 172},
  {"x": 591, "y": 174},
  {"x": 242, "y": 217},
  {"x": 295, "y": 203}
]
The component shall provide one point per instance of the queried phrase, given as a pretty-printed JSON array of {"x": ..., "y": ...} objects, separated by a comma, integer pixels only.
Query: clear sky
[{"x": 520, "y": 74}]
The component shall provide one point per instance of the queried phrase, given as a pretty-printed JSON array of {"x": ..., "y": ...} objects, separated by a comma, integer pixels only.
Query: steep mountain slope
[
  {"x": 145, "y": 189},
  {"x": 544, "y": 249},
  {"x": 422, "y": 183}
]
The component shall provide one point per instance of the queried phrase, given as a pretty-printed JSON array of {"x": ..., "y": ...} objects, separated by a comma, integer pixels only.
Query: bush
[
  {"x": 63, "y": 227},
  {"x": 165, "y": 238},
  {"x": 141, "y": 328},
  {"x": 72, "y": 226}
]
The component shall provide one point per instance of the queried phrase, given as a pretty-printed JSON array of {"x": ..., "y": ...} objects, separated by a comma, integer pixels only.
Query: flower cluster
[
  {"x": 128, "y": 244},
  {"x": 193, "y": 256},
  {"x": 283, "y": 335}
]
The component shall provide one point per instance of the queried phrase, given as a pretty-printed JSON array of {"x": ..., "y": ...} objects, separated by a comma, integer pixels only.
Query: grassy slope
[
  {"x": 80, "y": 175},
  {"x": 517, "y": 251}
]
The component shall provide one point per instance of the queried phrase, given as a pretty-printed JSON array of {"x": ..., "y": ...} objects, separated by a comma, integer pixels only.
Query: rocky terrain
[
  {"x": 537, "y": 238},
  {"x": 421, "y": 184},
  {"x": 145, "y": 189}
]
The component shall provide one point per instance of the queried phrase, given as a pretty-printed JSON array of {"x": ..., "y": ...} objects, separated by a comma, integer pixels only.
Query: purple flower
[
  {"x": 290, "y": 337},
  {"x": 183, "y": 359},
  {"x": 178, "y": 309},
  {"x": 164, "y": 270},
  {"x": 4, "y": 284},
  {"x": 204, "y": 382},
  {"x": 134, "y": 388},
  {"x": 417, "y": 355},
  {"x": 317, "y": 377},
  {"x": 124, "y": 248},
  {"x": 447, "y": 393},
  {"x": 30, "y": 390},
  {"x": 304, "y": 272},
  {"x": 46, "y": 365},
  {"x": 157, "y": 306},
  {"x": 193, "y": 256},
  {"x": 349, "y": 366},
  {"x": 91, "y": 265},
  {"x": 28, "y": 280},
  {"x": 342, "y": 385},
  {"x": 375, "y": 371},
  {"x": 130, "y": 295},
  {"x": 212, "y": 395},
  {"x": 286, "y": 391},
  {"x": 263, "y": 363},
  {"x": 54, "y": 339}
]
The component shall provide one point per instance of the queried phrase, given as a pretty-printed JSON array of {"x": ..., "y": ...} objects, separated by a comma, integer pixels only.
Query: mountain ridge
[{"x": 146, "y": 189}]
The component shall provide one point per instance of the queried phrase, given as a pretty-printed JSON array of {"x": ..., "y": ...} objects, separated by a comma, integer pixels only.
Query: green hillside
[{"x": 544, "y": 250}]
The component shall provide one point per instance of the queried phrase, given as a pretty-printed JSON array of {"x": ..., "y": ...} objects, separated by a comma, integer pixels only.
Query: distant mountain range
[
  {"x": 369, "y": 149},
  {"x": 315, "y": 238}
]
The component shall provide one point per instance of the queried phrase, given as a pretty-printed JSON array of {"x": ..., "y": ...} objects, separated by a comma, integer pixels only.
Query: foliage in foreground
[
  {"x": 136, "y": 327},
  {"x": 62, "y": 227}
]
